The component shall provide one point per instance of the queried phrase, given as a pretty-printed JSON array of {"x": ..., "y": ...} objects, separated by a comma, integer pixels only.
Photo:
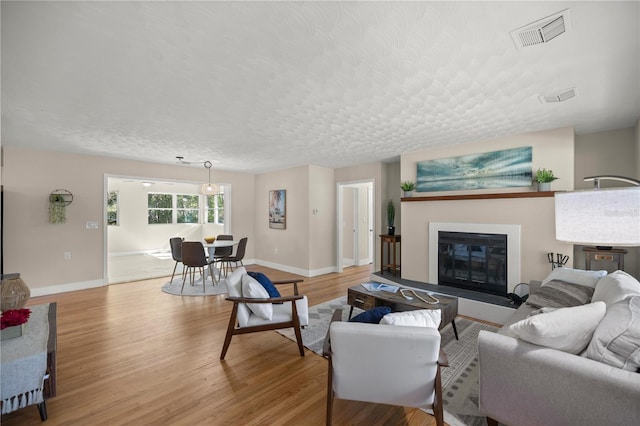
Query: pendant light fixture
[{"x": 209, "y": 188}]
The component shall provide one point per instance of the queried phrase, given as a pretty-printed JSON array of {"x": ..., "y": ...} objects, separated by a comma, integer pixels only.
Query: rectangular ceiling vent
[
  {"x": 542, "y": 31},
  {"x": 561, "y": 96}
]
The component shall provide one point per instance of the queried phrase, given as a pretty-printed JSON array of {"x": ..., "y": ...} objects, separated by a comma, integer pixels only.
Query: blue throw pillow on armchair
[
  {"x": 266, "y": 283},
  {"x": 372, "y": 316}
]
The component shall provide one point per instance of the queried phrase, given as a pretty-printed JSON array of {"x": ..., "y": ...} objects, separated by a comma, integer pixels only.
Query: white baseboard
[
  {"x": 137, "y": 252},
  {"x": 63, "y": 288},
  {"x": 297, "y": 271}
]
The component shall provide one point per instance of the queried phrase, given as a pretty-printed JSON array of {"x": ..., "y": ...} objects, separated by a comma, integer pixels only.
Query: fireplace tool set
[{"x": 560, "y": 260}]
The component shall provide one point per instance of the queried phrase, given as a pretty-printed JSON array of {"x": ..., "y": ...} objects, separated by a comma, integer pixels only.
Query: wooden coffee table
[{"x": 364, "y": 299}]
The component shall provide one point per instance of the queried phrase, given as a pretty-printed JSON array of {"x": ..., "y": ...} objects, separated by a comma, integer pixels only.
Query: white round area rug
[{"x": 210, "y": 289}]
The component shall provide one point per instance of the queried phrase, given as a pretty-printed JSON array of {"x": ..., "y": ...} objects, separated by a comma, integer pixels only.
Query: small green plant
[
  {"x": 57, "y": 206},
  {"x": 544, "y": 176},
  {"x": 391, "y": 213},
  {"x": 408, "y": 185}
]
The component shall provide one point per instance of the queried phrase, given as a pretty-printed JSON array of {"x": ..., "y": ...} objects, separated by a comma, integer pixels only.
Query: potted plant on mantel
[
  {"x": 408, "y": 187},
  {"x": 391, "y": 217},
  {"x": 544, "y": 178}
]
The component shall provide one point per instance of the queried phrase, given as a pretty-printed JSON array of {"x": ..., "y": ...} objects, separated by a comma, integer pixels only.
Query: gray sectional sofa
[{"x": 560, "y": 365}]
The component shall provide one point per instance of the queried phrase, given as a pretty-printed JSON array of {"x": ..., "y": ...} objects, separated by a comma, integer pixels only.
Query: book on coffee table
[{"x": 373, "y": 286}]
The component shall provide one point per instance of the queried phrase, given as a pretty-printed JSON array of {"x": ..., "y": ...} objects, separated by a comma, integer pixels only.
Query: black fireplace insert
[{"x": 473, "y": 261}]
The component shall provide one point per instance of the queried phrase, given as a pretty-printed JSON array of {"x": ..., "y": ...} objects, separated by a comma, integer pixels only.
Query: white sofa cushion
[
  {"x": 234, "y": 286},
  {"x": 615, "y": 287},
  {"x": 566, "y": 329},
  {"x": 616, "y": 340},
  {"x": 418, "y": 318},
  {"x": 251, "y": 288},
  {"x": 575, "y": 276}
]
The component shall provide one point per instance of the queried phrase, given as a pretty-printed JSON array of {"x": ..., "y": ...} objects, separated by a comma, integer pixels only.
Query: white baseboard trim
[
  {"x": 63, "y": 288},
  {"x": 137, "y": 252},
  {"x": 484, "y": 311},
  {"x": 297, "y": 271}
]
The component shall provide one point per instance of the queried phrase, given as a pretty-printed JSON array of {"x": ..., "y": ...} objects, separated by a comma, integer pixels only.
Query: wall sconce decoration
[{"x": 58, "y": 201}]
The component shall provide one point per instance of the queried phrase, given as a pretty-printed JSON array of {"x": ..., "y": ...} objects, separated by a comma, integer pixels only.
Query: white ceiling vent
[
  {"x": 542, "y": 31},
  {"x": 561, "y": 96}
]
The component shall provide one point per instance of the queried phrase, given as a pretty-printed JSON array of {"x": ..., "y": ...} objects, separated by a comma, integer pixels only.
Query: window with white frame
[
  {"x": 113, "y": 209},
  {"x": 160, "y": 208},
  {"x": 188, "y": 208},
  {"x": 215, "y": 209}
]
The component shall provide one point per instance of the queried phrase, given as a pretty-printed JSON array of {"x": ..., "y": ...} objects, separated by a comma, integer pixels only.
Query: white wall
[
  {"x": 35, "y": 248},
  {"x": 134, "y": 234}
]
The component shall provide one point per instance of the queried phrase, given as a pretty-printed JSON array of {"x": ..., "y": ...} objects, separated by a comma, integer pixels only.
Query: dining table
[{"x": 211, "y": 249}]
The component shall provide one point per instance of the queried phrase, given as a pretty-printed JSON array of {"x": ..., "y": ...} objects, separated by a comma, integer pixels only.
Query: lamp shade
[
  {"x": 209, "y": 189},
  {"x": 605, "y": 217}
]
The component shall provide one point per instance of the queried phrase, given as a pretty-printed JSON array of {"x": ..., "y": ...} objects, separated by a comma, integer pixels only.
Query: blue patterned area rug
[{"x": 459, "y": 380}]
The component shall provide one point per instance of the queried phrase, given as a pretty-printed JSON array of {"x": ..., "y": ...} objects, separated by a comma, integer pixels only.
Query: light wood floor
[{"x": 129, "y": 354}]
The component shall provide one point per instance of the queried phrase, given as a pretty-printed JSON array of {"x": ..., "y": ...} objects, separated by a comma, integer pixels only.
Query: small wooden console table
[
  {"x": 393, "y": 262},
  {"x": 600, "y": 258},
  {"x": 360, "y": 297}
]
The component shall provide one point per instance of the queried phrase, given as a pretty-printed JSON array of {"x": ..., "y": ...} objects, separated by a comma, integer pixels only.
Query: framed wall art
[
  {"x": 497, "y": 169},
  {"x": 278, "y": 209}
]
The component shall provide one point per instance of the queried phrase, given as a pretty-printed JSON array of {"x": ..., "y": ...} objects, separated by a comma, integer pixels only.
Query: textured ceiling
[{"x": 258, "y": 86}]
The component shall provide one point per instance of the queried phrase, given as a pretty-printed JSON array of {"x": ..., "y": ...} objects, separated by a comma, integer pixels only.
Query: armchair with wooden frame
[
  {"x": 384, "y": 364},
  {"x": 288, "y": 311}
]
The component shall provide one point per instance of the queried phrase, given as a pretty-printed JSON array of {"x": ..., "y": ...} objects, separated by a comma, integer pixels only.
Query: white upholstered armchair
[{"x": 385, "y": 364}]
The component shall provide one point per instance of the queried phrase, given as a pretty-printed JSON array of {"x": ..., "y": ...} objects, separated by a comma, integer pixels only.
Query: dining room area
[{"x": 144, "y": 215}]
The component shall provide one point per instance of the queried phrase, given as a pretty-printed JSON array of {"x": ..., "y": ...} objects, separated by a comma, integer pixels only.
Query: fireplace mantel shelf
[{"x": 531, "y": 194}]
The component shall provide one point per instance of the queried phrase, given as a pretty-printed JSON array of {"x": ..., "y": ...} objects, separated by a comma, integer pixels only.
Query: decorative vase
[
  {"x": 14, "y": 293},
  {"x": 11, "y": 332},
  {"x": 391, "y": 230},
  {"x": 407, "y": 194},
  {"x": 544, "y": 186}
]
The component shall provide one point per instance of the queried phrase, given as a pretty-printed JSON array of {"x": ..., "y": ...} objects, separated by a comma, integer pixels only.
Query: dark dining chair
[
  {"x": 194, "y": 257},
  {"x": 176, "y": 253},
  {"x": 222, "y": 252},
  {"x": 237, "y": 258}
]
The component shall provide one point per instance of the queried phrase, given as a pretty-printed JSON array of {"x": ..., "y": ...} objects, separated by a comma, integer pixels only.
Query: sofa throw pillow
[
  {"x": 372, "y": 316},
  {"x": 566, "y": 329},
  {"x": 560, "y": 294},
  {"x": 616, "y": 341},
  {"x": 575, "y": 276},
  {"x": 615, "y": 287},
  {"x": 266, "y": 283},
  {"x": 253, "y": 289},
  {"x": 418, "y": 318}
]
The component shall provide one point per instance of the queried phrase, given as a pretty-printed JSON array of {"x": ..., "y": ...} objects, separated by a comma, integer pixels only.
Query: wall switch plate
[{"x": 67, "y": 255}]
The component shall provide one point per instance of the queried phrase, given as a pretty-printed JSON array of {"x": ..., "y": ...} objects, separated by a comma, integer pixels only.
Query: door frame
[{"x": 340, "y": 218}]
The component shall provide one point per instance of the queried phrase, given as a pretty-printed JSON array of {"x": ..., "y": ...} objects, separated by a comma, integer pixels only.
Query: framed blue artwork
[{"x": 497, "y": 169}]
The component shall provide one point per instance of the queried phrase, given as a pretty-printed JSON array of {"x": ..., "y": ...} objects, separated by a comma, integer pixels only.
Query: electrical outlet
[
  {"x": 67, "y": 255},
  {"x": 276, "y": 251}
]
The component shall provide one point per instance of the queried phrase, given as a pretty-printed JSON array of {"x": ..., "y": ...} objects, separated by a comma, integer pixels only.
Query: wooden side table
[
  {"x": 611, "y": 260},
  {"x": 393, "y": 261}
]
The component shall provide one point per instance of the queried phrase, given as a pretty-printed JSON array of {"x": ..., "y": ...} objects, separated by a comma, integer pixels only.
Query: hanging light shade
[{"x": 209, "y": 188}]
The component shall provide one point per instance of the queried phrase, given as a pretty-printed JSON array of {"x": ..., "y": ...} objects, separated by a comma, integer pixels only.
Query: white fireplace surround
[{"x": 513, "y": 245}]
